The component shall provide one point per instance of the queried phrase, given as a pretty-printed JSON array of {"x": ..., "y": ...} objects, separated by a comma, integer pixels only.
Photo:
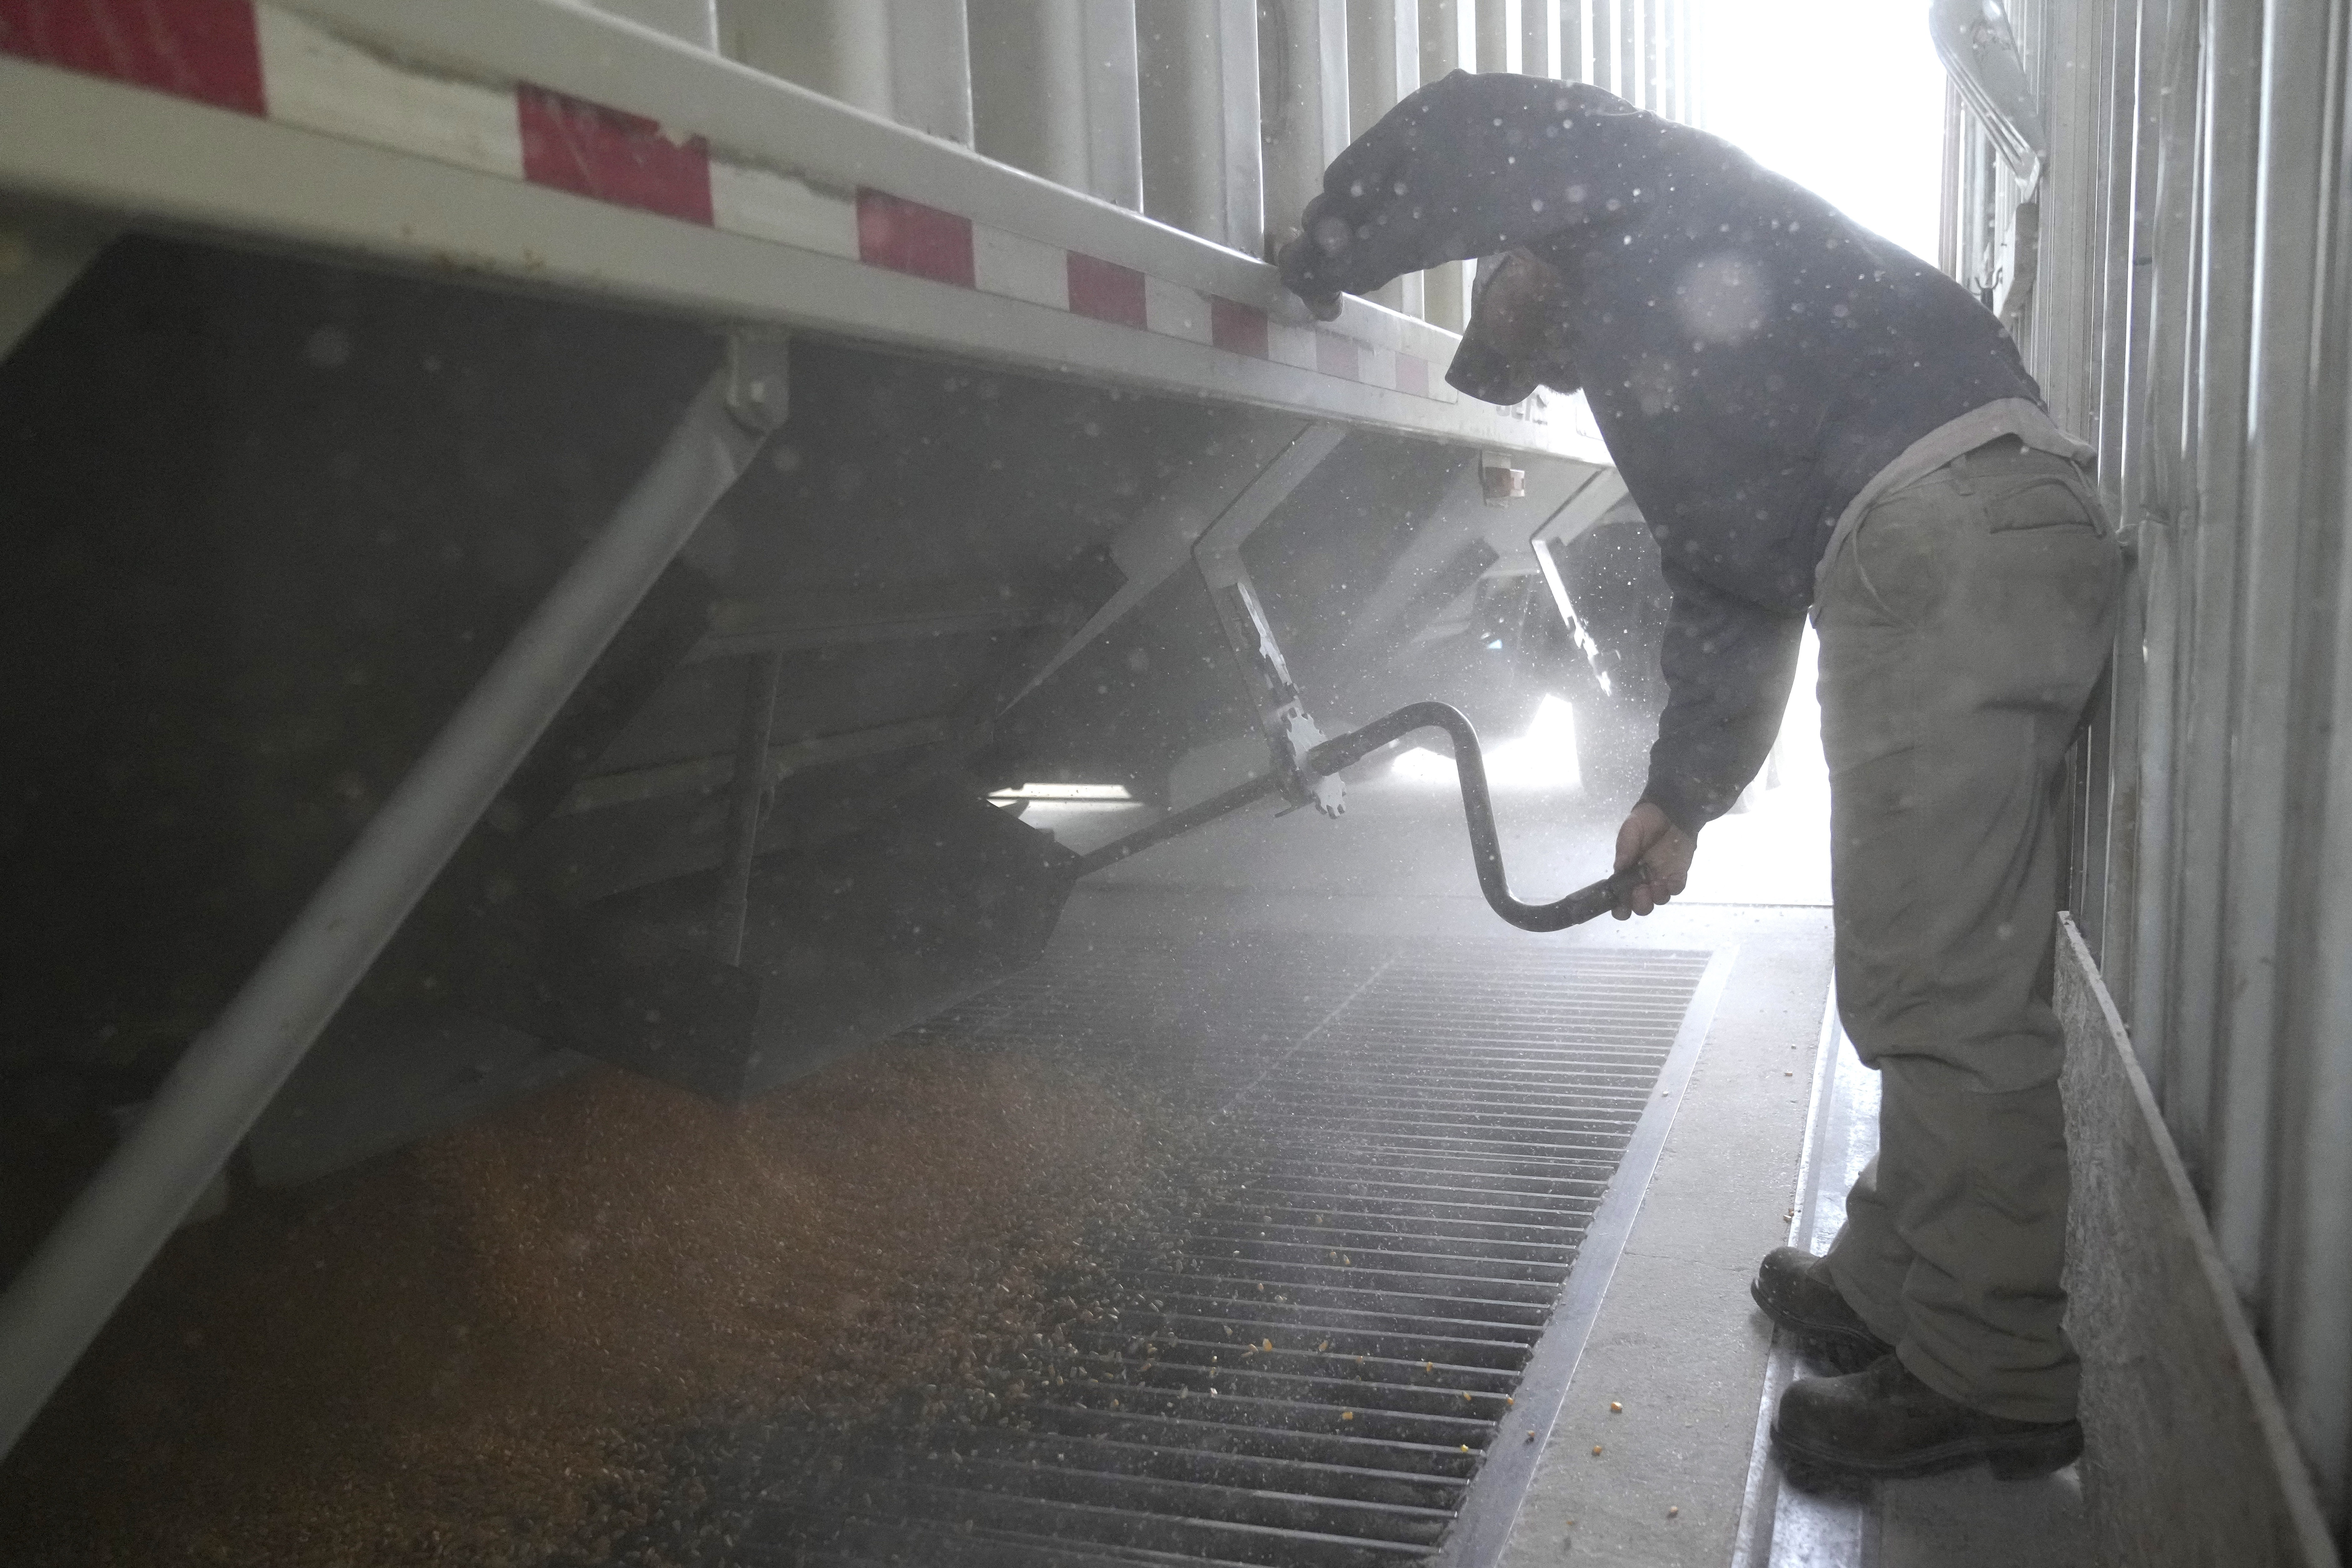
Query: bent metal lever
[{"x": 1477, "y": 805}]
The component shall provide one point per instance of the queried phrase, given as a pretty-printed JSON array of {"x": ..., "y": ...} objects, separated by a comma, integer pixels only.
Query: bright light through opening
[
  {"x": 1544, "y": 757},
  {"x": 1845, "y": 97},
  {"x": 1064, "y": 791}
]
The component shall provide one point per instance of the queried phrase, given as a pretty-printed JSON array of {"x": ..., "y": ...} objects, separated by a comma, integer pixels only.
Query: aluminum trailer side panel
[{"x": 533, "y": 143}]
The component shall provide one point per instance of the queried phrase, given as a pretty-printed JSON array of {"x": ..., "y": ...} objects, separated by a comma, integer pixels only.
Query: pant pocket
[
  {"x": 2056, "y": 499},
  {"x": 1900, "y": 554}
]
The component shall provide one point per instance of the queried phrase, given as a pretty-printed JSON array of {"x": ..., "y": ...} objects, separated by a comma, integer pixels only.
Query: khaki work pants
[{"x": 1963, "y": 624}]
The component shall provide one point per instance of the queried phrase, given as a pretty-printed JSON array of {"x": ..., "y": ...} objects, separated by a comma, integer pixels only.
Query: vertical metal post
[
  {"x": 930, "y": 67},
  {"x": 1384, "y": 65},
  {"x": 1539, "y": 38},
  {"x": 1499, "y": 35},
  {"x": 1688, "y": 108},
  {"x": 1658, "y": 67},
  {"x": 1240, "y": 119},
  {"x": 1303, "y": 51},
  {"x": 58, "y": 1302},
  {"x": 1449, "y": 37},
  {"x": 838, "y": 47},
  {"x": 1607, "y": 44},
  {"x": 1114, "y": 129},
  {"x": 1673, "y": 42},
  {"x": 908, "y": 59},
  {"x": 2133, "y": 191},
  {"x": 2263, "y": 740},
  {"x": 746, "y": 800},
  {"x": 2233, "y": 98},
  {"x": 1054, "y": 90},
  {"x": 1202, "y": 166},
  {"x": 2160, "y": 508},
  {"x": 1633, "y": 70},
  {"x": 2280, "y": 1167},
  {"x": 1449, "y": 42},
  {"x": 1948, "y": 219},
  {"x": 1653, "y": 45}
]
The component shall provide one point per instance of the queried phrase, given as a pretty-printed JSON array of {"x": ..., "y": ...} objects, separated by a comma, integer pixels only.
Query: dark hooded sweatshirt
[{"x": 1752, "y": 356}]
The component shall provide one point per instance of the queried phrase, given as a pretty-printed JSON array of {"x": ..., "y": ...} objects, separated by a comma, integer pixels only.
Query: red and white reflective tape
[
  {"x": 259, "y": 60},
  {"x": 203, "y": 49}
]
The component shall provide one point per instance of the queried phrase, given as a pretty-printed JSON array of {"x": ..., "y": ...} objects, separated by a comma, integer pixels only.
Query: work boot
[
  {"x": 1794, "y": 1293},
  {"x": 1882, "y": 1422}
]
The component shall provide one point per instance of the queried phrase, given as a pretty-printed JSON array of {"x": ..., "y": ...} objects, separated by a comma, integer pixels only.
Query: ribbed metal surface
[{"x": 1309, "y": 1368}]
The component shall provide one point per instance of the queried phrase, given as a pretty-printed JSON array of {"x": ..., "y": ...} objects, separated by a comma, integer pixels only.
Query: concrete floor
[
  {"x": 1943, "y": 1521},
  {"x": 1678, "y": 1346},
  {"x": 1655, "y": 1460}
]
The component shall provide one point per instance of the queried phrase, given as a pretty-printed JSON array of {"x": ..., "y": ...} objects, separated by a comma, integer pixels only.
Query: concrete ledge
[{"x": 2188, "y": 1459}]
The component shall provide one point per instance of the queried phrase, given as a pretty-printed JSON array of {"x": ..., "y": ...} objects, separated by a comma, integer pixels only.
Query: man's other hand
[{"x": 1664, "y": 851}]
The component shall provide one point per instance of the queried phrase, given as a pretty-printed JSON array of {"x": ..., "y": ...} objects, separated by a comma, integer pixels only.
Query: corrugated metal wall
[{"x": 2191, "y": 317}]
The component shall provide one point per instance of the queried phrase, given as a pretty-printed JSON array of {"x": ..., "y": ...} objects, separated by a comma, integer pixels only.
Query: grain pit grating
[{"x": 1313, "y": 1363}]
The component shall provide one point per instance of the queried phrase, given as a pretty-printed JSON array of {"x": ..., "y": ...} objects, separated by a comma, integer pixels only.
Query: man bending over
[{"x": 1812, "y": 420}]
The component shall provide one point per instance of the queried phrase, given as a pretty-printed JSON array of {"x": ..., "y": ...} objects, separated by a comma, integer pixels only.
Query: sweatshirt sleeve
[
  {"x": 1466, "y": 166},
  {"x": 1728, "y": 664}
]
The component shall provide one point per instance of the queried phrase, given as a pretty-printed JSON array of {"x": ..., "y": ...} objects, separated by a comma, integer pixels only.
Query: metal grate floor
[{"x": 1313, "y": 1365}]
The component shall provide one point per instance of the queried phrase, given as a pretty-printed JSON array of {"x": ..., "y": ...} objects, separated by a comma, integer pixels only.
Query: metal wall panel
[{"x": 2191, "y": 319}]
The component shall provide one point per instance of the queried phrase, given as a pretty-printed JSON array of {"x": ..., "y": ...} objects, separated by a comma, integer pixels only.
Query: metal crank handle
[{"x": 1478, "y": 807}]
